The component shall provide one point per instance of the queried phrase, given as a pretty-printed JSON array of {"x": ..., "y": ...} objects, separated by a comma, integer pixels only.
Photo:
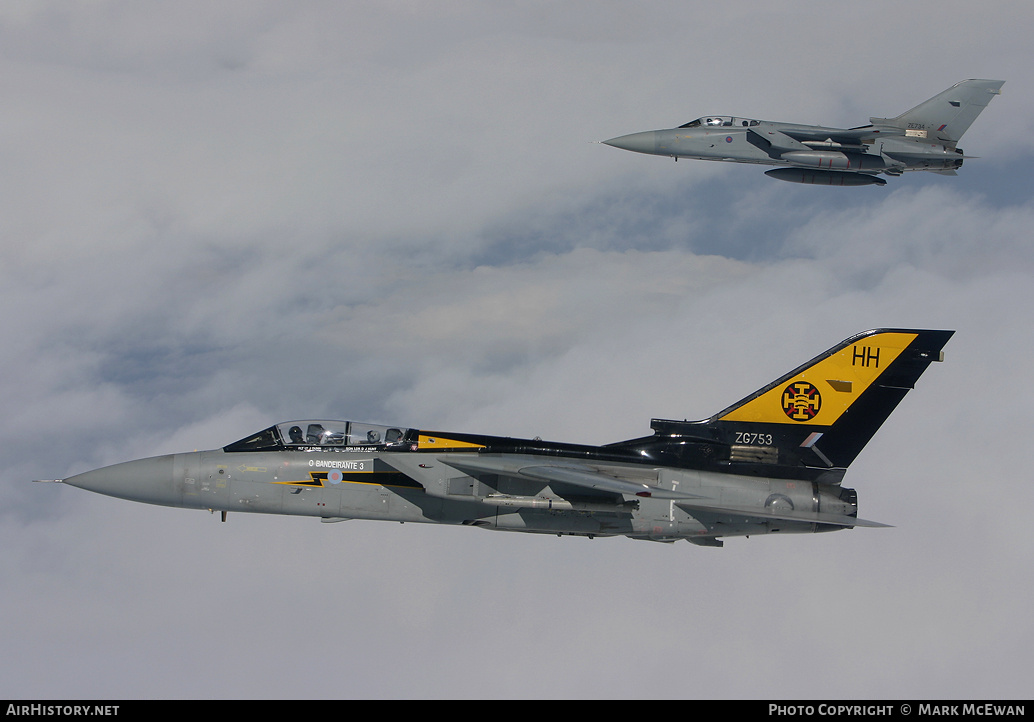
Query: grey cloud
[{"x": 219, "y": 218}]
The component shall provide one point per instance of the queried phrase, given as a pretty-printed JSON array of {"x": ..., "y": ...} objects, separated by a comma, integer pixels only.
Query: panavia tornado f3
[
  {"x": 924, "y": 138},
  {"x": 771, "y": 463}
]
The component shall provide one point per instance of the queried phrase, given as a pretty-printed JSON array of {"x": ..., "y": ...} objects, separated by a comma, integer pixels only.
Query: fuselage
[
  {"x": 344, "y": 480},
  {"x": 869, "y": 149}
]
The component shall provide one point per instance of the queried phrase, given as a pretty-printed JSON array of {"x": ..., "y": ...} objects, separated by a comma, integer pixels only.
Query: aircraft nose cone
[
  {"x": 147, "y": 480},
  {"x": 645, "y": 142}
]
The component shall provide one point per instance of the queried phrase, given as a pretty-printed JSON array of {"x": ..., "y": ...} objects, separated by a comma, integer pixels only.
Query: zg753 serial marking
[{"x": 748, "y": 437}]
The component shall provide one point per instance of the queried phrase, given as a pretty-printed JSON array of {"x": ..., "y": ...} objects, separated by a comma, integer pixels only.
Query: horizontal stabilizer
[{"x": 799, "y": 517}]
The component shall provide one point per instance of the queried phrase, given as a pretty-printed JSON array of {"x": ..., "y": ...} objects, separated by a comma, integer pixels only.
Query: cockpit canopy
[
  {"x": 720, "y": 121},
  {"x": 320, "y": 435}
]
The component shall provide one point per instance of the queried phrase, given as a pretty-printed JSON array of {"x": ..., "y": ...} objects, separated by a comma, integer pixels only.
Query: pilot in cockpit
[
  {"x": 314, "y": 435},
  {"x": 295, "y": 432}
]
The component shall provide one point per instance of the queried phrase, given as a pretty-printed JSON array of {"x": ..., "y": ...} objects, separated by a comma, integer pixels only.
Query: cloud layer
[{"x": 217, "y": 218}]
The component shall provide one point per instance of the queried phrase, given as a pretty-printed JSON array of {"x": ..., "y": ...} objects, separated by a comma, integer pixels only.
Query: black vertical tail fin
[{"x": 823, "y": 413}]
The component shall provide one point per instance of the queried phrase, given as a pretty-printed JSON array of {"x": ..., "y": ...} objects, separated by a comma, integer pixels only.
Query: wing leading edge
[
  {"x": 806, "y": 517},
  {"x": 570, "y": 472}
]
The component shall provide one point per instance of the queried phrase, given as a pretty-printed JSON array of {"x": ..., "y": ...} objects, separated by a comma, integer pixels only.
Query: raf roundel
[{"x": 801, "y": 401}]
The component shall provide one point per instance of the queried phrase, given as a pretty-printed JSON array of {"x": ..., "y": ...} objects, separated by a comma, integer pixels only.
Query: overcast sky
[{"x": 218, "y": 216}]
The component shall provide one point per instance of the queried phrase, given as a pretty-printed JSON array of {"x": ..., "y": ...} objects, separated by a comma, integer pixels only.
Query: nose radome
[
  {"x": 645, "y": 142},
  {"x": 147, "y": 480}
]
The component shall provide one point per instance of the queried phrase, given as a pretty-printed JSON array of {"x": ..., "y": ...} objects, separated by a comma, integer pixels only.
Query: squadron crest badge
[{"x": 801, "y": 401}]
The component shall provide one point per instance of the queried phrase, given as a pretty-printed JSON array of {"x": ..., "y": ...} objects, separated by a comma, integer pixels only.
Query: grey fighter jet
[
  {"x": 771, "y": 463},
  {"x": 924, "y": 138}
]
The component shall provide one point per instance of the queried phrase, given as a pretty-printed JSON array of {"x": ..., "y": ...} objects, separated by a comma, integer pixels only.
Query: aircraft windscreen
[
  {"x": 321, "y": 434},
  {"x": 720, "y": 121}
]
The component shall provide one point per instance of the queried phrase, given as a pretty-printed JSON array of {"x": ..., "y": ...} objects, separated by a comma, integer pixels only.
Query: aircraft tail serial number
[{"x": 748, "y": 437}]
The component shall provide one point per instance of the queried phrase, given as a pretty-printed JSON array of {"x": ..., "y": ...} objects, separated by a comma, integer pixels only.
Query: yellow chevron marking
[{"x": 438, "y": 442}]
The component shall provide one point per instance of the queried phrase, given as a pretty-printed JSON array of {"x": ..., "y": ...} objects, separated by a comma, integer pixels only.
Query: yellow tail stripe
[{"x": 821, "y": 393}]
